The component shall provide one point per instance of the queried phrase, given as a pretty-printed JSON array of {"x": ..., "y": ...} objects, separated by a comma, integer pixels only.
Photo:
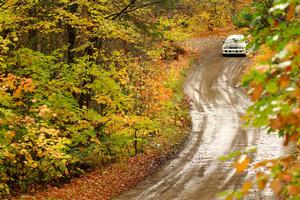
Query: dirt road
[{"x": 218, "y": 104}]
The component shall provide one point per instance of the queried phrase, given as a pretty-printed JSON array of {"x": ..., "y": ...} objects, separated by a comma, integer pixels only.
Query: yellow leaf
[
  {"x": 76, "y": 90},
  {"x": 31, "y": 88},
  {"x": 19, "y": 103},
  {"x": 230, "y": 197},
  {"x": 50, "y": 131},
  {"x": 66, "y": 172},
  {"x": 10, "y": 134},
  {"x": 205, "y": 15}
]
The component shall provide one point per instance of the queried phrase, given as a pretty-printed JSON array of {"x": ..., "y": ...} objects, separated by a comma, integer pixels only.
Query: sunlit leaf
[{"x": 242, "y": 163}]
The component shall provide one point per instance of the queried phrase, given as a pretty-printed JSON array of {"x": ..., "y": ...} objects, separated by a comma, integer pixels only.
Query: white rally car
[{"x": 234, "y": 45}]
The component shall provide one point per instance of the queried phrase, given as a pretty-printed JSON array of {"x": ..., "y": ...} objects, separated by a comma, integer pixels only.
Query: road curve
[{"x": 217, "y": 106}]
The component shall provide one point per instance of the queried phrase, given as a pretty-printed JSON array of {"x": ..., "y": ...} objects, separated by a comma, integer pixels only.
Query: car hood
[{"x": 234, "y": 45}]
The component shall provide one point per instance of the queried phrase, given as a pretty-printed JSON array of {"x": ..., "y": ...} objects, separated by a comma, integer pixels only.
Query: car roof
[{"x": 235, "y": 37}]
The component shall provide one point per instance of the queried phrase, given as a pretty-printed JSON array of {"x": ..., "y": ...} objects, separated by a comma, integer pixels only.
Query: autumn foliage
[
  {"x": 274, "y": 87},
  {"x": 83, "y": 84}
]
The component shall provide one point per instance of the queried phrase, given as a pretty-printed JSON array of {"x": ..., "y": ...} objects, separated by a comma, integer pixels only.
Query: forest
[{"x": 89, "y": 83}]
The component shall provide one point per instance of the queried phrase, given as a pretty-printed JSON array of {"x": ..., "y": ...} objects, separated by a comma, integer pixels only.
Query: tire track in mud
[{"x": 217, "y": 105}]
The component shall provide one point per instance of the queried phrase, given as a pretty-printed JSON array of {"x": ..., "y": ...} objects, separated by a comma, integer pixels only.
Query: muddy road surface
[{"x": 217, "y": 106}]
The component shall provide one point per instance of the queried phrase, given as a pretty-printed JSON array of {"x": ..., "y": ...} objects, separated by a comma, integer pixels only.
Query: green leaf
[
  {"x": 224, "y": 193},
  {"x": 272, "y": 87},
  {"x": 230, "y": 155}
]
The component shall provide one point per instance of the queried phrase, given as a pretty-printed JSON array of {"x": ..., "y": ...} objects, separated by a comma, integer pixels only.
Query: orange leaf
[
  {"x": 290, "y": 119},
  {"x": 291, "y": 11},
  {"x": 261, "y": 184},
  {"x": 293, "y": 190},
  {"x": 276, "y": 123},
  {"x": 294, "y": 137},
  {"x": 261, "y": 180},
  {"x": 261, "y": 164},
  {"x": 284, "y": 81},
  {"x": 286, "y": 162},
  {"x": 247, "y": 186},
  {"x": 297, "y": 112},
  {"x": 17, "y": 93},
  {"x": 258, "y": 89},
  {"x": 285, "y": 177},
  {"x": 242, "y": 163},
  {"x": 276, "y": 186},
  {"x": 296, "y": 94},
  {"x": 10, "y": 134}
]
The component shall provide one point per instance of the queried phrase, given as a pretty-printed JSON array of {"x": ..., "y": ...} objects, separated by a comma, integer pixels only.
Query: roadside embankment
[{"x": 106, "y": 182}]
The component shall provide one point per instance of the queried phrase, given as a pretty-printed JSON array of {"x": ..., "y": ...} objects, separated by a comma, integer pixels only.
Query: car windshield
[{"x": 234, "y": 41}]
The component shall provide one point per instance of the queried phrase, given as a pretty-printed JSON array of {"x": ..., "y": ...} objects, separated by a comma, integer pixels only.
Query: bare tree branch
[
  {"x": 116, "y": 15},
  {"x": 127, "y": 9},
  {"x": 144, "y": 5}
]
